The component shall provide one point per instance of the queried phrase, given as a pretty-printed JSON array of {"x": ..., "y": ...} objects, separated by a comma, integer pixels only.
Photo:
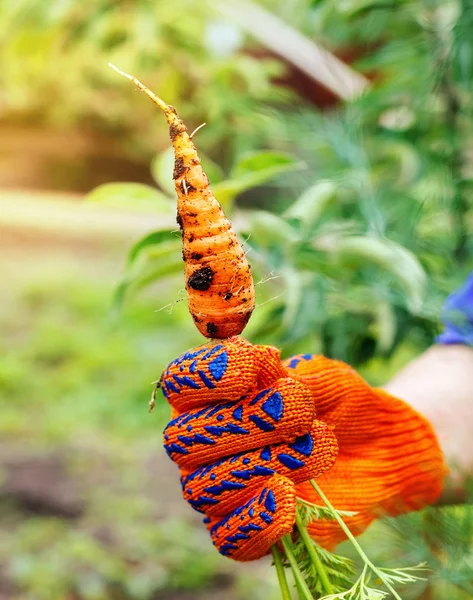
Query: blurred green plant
[{"x": 54, "y": 70}]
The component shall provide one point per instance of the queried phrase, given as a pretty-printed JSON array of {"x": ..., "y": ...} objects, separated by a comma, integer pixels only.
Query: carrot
[{"x": 219, "y": 283}]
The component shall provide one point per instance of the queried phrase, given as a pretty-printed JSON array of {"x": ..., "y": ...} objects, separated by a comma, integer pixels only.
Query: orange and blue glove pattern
[{"x": 248, "y": 432}]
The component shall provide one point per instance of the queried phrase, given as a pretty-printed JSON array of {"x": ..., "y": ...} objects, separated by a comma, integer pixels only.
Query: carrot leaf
[
  {"x": 263, "y": 161},
  {"x": 253, "y": 170},
  {"x": 135, "y": 196},
  {"x": 161, "y": 171},
  {"x": 353, "y": 252},
  {"x": 311, "y": 204},
  {"x": 155, "y": 238},
  {"x": 152, "y": 264}
]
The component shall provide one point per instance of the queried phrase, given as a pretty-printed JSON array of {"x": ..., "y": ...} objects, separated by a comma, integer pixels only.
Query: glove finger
[
  {"x": 280, "y": 413},
  {"x": 230, "y": 369},
  {"x": 250, "y": 530},
  {"x": 219, "y": 488}
]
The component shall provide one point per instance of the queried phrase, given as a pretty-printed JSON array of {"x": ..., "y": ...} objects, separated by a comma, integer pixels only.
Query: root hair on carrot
[
  {"x": 197, "y": 129},
  {"x": 269, "y": 277},
  {"x": 269, "y": 300},
  {"x": 172, "y": 304}
]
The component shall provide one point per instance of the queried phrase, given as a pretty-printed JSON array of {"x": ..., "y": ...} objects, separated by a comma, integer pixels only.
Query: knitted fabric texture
[
  {"x": 389, "y": 459},
  {"x": 248, "y": 433}
]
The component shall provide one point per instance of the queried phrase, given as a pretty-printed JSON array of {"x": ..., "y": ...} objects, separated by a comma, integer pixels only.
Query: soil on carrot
[
  {"x": 212, "y": 329},
  {"x": 179, "y": 168},
  {"x": 201, "y": 279}
]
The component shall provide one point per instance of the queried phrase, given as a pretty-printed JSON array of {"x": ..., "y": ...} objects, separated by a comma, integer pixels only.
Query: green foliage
[
  {"x": 55, "y": 53},
  {"x": 308, "y": 512},
  {"x": 331, "y": 272},
  {"x": 131, "y": 196},
  {"x": 361, "y": 589},
  {"x": 251, "y": 170},
  {"x": 329, "y": 576},
  {"x": 441, "y": 536},
  {"x": 340, "y": 569},
  {"x": 155, "y": 257}
]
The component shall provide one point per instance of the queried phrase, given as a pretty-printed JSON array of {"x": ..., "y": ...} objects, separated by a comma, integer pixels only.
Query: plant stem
[
  {"x": 353, "y": 540},
  {"x": 314, "y": 556},
  {"x": 304, "y": 591},
  {"x": 285, "y": 593}
]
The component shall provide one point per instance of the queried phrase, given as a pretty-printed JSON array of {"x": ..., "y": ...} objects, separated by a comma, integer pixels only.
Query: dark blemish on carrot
[
  {"x": 179, "y": 167},
  {"x": 174, "y": 131},
  {"x": 212, "y": 328},
  {"x": 228, "y": 295},
  {"x": 244, "y": 299},
  {"x": 196, "y": 319},
  {"x": 196, "y": 256},
  {"x": 201, "y": 279},
  {"x": 179, "y": 220},
  {"x": 191, "y": 238},
  {"x": 190, "y": 187}
]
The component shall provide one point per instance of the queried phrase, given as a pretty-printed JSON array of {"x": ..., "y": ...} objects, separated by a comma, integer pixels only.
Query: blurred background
[{"x": 338, "y": 136}]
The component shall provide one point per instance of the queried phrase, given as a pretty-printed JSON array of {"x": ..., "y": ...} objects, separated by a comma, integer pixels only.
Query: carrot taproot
[{"x": 219, "y": 282}]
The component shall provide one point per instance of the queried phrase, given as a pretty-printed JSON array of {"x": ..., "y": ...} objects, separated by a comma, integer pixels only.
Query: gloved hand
[{"x": 249, "y": 432}]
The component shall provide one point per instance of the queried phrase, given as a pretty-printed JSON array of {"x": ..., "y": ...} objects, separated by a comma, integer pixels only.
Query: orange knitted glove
[{"x": 247, "y": 442}]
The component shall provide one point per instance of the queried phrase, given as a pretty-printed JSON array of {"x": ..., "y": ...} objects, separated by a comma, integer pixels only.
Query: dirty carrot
[{"x": 219, "y": 282}]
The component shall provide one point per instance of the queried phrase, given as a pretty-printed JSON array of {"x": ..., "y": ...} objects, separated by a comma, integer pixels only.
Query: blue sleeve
[{"x": 457, "y": 316}]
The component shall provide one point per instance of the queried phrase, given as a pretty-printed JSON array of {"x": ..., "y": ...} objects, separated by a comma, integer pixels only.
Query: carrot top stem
[{"x": 156, "y": 99}]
